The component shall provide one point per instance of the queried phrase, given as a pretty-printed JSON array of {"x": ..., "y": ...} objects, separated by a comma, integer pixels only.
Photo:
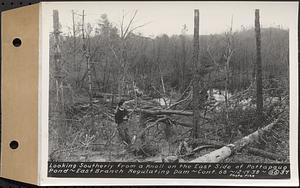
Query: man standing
[{"x": 121, "y": 118}]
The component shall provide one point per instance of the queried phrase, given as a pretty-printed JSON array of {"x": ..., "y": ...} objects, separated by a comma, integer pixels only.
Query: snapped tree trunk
[
  {"x": 182, "y": 80},
  {"x": 196, "y": 89},
  {"x": 59, "y": 103},
  {"x": 259, "y": 92},
  {"x": 76, "y": 66}
]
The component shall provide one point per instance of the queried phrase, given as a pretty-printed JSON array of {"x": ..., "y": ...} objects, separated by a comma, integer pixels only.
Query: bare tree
[
  {"x": 227, "y": 56},
  {"x": 125, "y": 31},
  {"x": 87, "y": 55}
]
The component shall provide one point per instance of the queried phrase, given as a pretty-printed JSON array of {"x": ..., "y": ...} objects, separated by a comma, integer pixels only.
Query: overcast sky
[{"x": 169, "y": 17}]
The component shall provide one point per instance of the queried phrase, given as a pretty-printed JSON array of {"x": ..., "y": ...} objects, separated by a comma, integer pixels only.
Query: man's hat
[{"x": 121, "y": 102}]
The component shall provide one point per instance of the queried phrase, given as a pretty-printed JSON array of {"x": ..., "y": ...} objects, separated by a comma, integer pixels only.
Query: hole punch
[
  {"x": 17, "y": 42},
  {"x": 13, "y": 144}
]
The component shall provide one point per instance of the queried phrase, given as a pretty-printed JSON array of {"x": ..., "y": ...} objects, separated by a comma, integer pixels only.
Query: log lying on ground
[
  {"x": 226, "y": 151},
  {"x": 184, "y": 124},
  {"x": 250, "y": 150},
  {"x": 165, "y": 112},
  {"x": 169, "y": 112}
]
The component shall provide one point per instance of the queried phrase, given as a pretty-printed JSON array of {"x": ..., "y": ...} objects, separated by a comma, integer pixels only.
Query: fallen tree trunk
[
  {"x": 169, "y": 112},
  {"x": 226, "y": 151},
  {"x": 184, "y": 124},
  {"x": 166, "y": 112},
  {"x": 251, "y": 150}
]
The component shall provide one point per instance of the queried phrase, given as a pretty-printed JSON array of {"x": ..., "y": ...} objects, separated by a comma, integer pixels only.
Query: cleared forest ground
[{"x": 101, "y": 142}]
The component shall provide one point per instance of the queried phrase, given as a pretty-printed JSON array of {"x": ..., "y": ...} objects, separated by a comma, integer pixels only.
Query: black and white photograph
[{"x": 170, "y": 83}]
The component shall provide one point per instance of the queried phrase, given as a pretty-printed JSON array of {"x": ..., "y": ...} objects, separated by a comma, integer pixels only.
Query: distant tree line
[{"x": 165, "y": 62}]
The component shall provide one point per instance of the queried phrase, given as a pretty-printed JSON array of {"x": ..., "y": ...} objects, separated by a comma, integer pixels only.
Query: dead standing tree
[
  {"x": 58, "y": 78},
  {"x": 86, "y": 53},
  {"x": 122, "y": 56},
  {"x": 227, "y": 56},
  {"x": 77, "y": 64},
  {"x": 259, "y": 92},
  {"x": 74, "y": 43},
  {"x": 197, "y": 77},
  {"x": 57, "y": 63},
  {"x": 124, "y": 33}
]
